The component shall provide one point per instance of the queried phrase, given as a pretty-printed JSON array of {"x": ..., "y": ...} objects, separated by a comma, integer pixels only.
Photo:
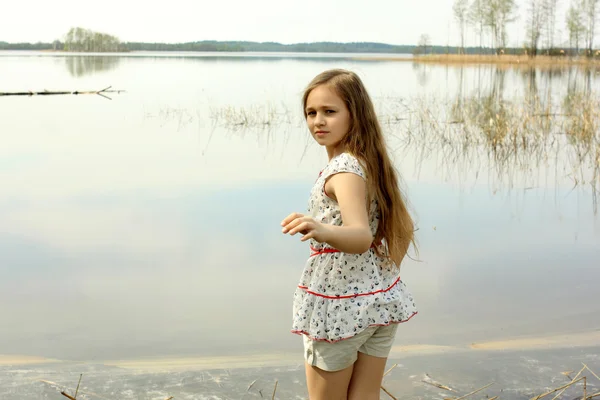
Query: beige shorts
[{"x": 374, "y": 341}]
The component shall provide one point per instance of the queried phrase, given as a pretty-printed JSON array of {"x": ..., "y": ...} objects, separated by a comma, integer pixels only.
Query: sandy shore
[
  {"x": 422, "y": 350},
  {"x": 24, "y": 360},
  {"x": 205, "y": 363},
  {"x": 508, "y": 59},
  {"x": 584, "y": 339}
]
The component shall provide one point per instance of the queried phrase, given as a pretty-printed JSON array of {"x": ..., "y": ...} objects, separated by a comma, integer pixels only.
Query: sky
[{"x": 290, "y": 21}]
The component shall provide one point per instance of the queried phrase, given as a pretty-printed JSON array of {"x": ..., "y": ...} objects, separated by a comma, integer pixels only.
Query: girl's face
[{"x": 327, "y": 117}]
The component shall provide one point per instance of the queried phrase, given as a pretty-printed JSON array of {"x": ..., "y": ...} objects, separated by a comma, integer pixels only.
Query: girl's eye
[
  {"x": 311, "y": 113},
  {"x": 330, "y": 111}
]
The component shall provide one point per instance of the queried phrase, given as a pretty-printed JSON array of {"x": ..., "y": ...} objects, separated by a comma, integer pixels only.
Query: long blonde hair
[{"x": 365, "y": 141}]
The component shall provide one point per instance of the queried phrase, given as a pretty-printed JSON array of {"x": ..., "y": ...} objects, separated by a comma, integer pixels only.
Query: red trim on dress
[
  {"x": 316, "y": 252},
  {"x": 305, "y": 288}
]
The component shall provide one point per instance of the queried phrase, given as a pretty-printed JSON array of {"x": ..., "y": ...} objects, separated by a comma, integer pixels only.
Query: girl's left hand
[{"x": 307, "y": 226}]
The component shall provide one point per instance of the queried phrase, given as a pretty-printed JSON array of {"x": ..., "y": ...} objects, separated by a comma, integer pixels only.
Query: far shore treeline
[
  {"x": 83, "y": 40},
  {"x": 241, "y": 46},
  {"x": 86, "y": 41}
]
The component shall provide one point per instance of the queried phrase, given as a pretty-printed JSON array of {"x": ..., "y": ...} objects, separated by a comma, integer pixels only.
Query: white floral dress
[{"x": 341, "y": 294}]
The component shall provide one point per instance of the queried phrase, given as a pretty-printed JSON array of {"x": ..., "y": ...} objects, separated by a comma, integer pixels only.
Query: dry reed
[
  {"x": 512, "y": 137},
  {"x": 512, "y": 59},
  {"x": 506, "y": 59},
  {"x": 427, "y": 380}
]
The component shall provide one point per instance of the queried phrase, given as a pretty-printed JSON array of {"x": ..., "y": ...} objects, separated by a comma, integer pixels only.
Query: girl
[{"x": 350, "y": 297}]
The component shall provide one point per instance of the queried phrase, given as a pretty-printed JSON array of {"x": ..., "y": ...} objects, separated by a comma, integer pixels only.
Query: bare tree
[
  {"x": 590, "y": 11},
  {"x": 476, "y": 16},
  {"x": 575, "y": 24},
  {"x": 506, "y": 14},
  {"x": 492, "y": 19},
  {"x": 534, "y": 25},
  {"x": 498, "y": 13},
  {"x": 84, "y": 40},
  {"x": 549, "y": 8},
  {"x": 461, "y": 8},
  {"x": 424, "y": 42}
]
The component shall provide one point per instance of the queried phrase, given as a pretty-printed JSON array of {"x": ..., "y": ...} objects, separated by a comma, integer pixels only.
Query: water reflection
[
  {"x": 524, "y": 141},
  {"x": 546, "y": 129},
  {"x": 518, "y": 145},
  {"x": 155, "y": 232},
  {"x": 421, "y": 72},
  {"x": 79, "y": 66}
]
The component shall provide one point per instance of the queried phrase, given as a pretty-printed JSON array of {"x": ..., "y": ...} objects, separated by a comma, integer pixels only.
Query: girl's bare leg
[
  {"x": 366, "y": 378},
  {"x": 325, "y": 385}
]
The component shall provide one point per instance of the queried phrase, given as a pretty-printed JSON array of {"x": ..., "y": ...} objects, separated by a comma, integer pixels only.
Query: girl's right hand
[{"x": 305, "y": 225}]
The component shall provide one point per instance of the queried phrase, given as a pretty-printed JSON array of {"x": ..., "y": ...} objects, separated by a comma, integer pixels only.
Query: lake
[{"x": 141, "y": 232}]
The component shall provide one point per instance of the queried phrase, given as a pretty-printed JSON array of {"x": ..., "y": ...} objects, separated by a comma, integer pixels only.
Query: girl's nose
[{"x": 319, "y": 119}]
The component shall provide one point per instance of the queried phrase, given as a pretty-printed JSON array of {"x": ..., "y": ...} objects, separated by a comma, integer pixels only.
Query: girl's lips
[{"x": 321, "y": 133}]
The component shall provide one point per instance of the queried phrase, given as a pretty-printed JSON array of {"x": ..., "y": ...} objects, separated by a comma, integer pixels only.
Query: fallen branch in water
[
  {"x": 388, "y": 393},
  {"x": 474, "y": 391},
  {"x": 50, "y": 93},
  {"x": 573, "y": 381},
  {"x": 427, "y": 380},
  {"x": 583, "y": 378},
  {"x": 64, "y": 393}
]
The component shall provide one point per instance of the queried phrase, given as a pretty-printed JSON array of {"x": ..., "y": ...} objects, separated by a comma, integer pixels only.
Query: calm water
[{"x": 147, "y": 226}]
